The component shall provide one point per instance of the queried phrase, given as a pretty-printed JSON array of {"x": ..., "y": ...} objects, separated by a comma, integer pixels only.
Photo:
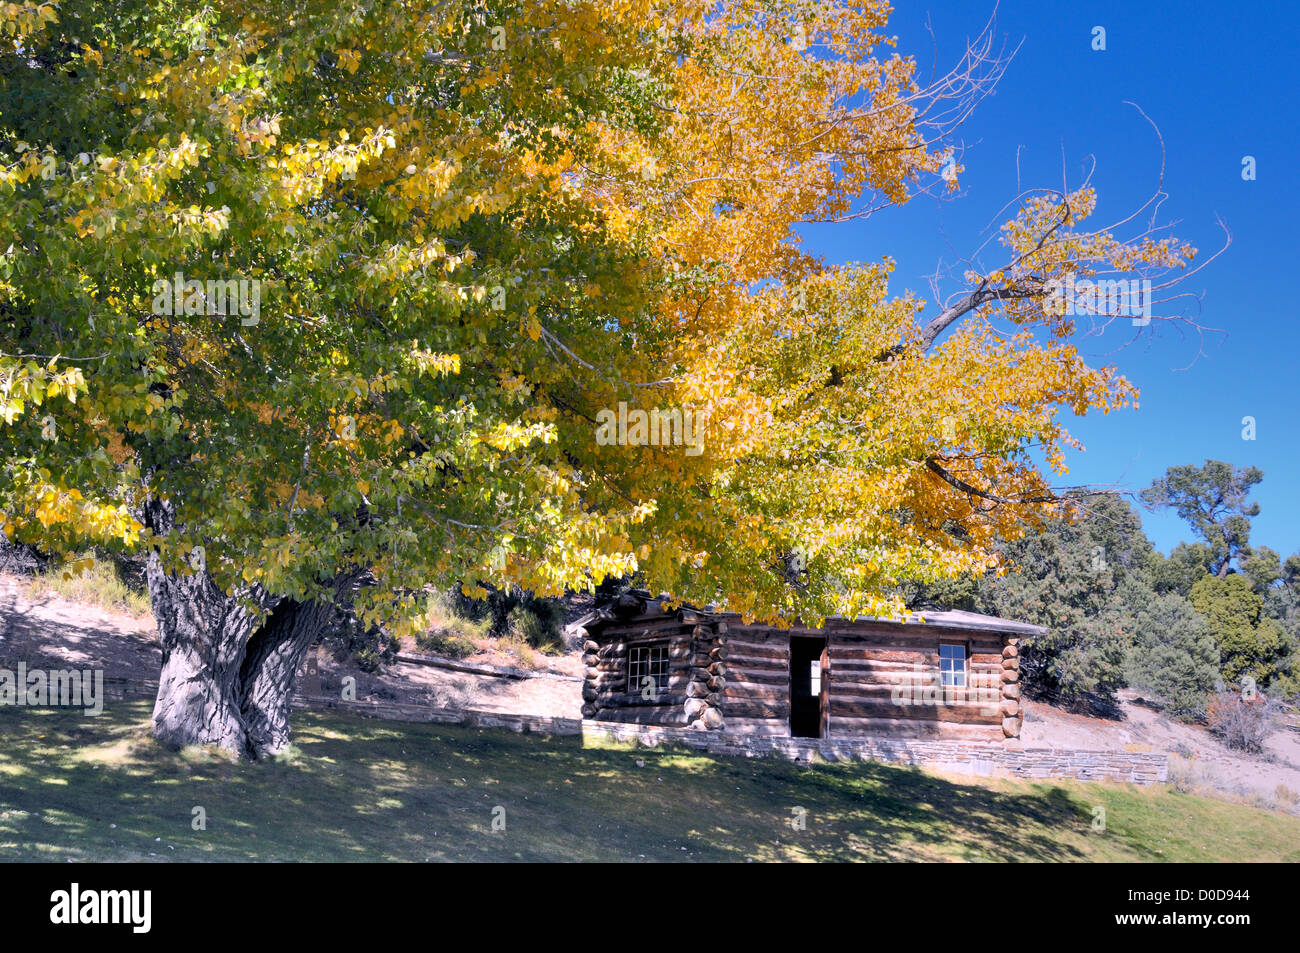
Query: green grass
[
  {"x": 97, "y": 583},
  {"x": 80, "y": 788}
]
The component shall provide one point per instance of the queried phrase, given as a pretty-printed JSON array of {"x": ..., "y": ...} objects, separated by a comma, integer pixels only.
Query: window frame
[
  {"x": 637, "y": 669},
  {"x": 946, "y": 670}
]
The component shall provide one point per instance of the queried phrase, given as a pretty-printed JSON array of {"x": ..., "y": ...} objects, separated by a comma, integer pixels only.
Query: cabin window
[
  {"x": 952, "y": 665},
  {"x": 647, "y": 661}
]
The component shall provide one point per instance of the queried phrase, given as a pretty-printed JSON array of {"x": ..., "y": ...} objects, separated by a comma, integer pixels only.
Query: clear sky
[{"x": 1219, "y": 80}]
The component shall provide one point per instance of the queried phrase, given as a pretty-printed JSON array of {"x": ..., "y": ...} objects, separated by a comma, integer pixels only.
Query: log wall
[
  {"x": 882, "y": 679},
  {"x": 696, "y": 671}
]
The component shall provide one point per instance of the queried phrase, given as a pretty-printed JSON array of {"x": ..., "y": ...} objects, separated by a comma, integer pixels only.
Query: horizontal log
[
  {"x": 658, "y": 628},
  {"x": 739, "y": 689},
  {"x": 928, "y": 656},
  {"x": 634, "y": 700},
  {"x": 770, "y": 667},
  {"x": 875, "y": 665},
  {"x": 749, "y": 643},
  {"x": 759, "y": 672},
  {"x": 907, "y": 638},
  {"x": 673, "y": 717},
  {"x": 989, "y": 695},
  {"x": 754, "y": 710},
  {"x": 841, "y": 726},
  {"x": 956, "y": 714},
  {"x": 769, "y": 727},
  {"x": 752, "y": 677},
  {"x": 838, "y": 677}
]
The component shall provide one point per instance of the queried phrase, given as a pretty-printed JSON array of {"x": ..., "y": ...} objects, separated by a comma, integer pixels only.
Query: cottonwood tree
[{"x": 469, "y": 228}]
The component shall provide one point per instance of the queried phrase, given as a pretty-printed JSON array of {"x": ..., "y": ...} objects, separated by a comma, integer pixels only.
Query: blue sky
[{"x": 1220, "y": 82}]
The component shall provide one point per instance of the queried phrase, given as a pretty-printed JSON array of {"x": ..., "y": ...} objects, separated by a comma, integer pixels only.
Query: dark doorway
[{"x": 807, "y": 687}]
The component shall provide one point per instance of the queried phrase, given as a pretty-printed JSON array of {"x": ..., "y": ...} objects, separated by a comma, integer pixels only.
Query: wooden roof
[{"x": 638, "y": 604}]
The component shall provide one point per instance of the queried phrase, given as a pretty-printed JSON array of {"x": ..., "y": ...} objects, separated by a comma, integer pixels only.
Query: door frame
[{"x": 823, "y": 661}]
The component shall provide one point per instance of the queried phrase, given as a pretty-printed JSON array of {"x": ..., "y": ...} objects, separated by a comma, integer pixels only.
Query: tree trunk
[
  {"x": 266, "y": 678},
  {"x": 227, "y": 672},
  {"x": 203, "y": 633}
]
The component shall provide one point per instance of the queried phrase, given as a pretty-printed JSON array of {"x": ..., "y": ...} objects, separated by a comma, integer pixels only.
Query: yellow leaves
[
  {"x": 343, "y": 428},
  {"x": 27, "y": 383},
  {"x": 646, "y": 241},
  {"x": 349, "y": 60},
  {"x": 515, "y": 384},
  {"x": 21, "y": 20},
  {"x": 430, "y": 362},
  {"x": 65, "y": 508},
  {"x": 513, "y": 436}
]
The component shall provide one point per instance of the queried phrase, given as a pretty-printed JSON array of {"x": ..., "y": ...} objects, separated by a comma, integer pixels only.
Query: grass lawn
[{"x": 82, "y": 788}]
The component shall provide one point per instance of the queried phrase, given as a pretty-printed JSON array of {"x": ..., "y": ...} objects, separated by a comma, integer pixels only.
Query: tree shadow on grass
[{"x": 357, "y": 789}]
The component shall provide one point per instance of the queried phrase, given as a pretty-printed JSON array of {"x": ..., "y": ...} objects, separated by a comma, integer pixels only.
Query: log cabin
[{"x": 939, "y": 674}]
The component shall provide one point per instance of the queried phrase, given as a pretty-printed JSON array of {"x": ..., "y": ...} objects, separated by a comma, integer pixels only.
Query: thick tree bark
[
  {"x": 203, "y": 633},
  {"x": 270, "y": 662},
  {"x": 229, "y": 659},
  {"x": 227, "y": 676}
]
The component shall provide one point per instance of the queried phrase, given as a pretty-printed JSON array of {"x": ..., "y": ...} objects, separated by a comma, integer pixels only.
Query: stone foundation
[{"x": 982, "y": 759}]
